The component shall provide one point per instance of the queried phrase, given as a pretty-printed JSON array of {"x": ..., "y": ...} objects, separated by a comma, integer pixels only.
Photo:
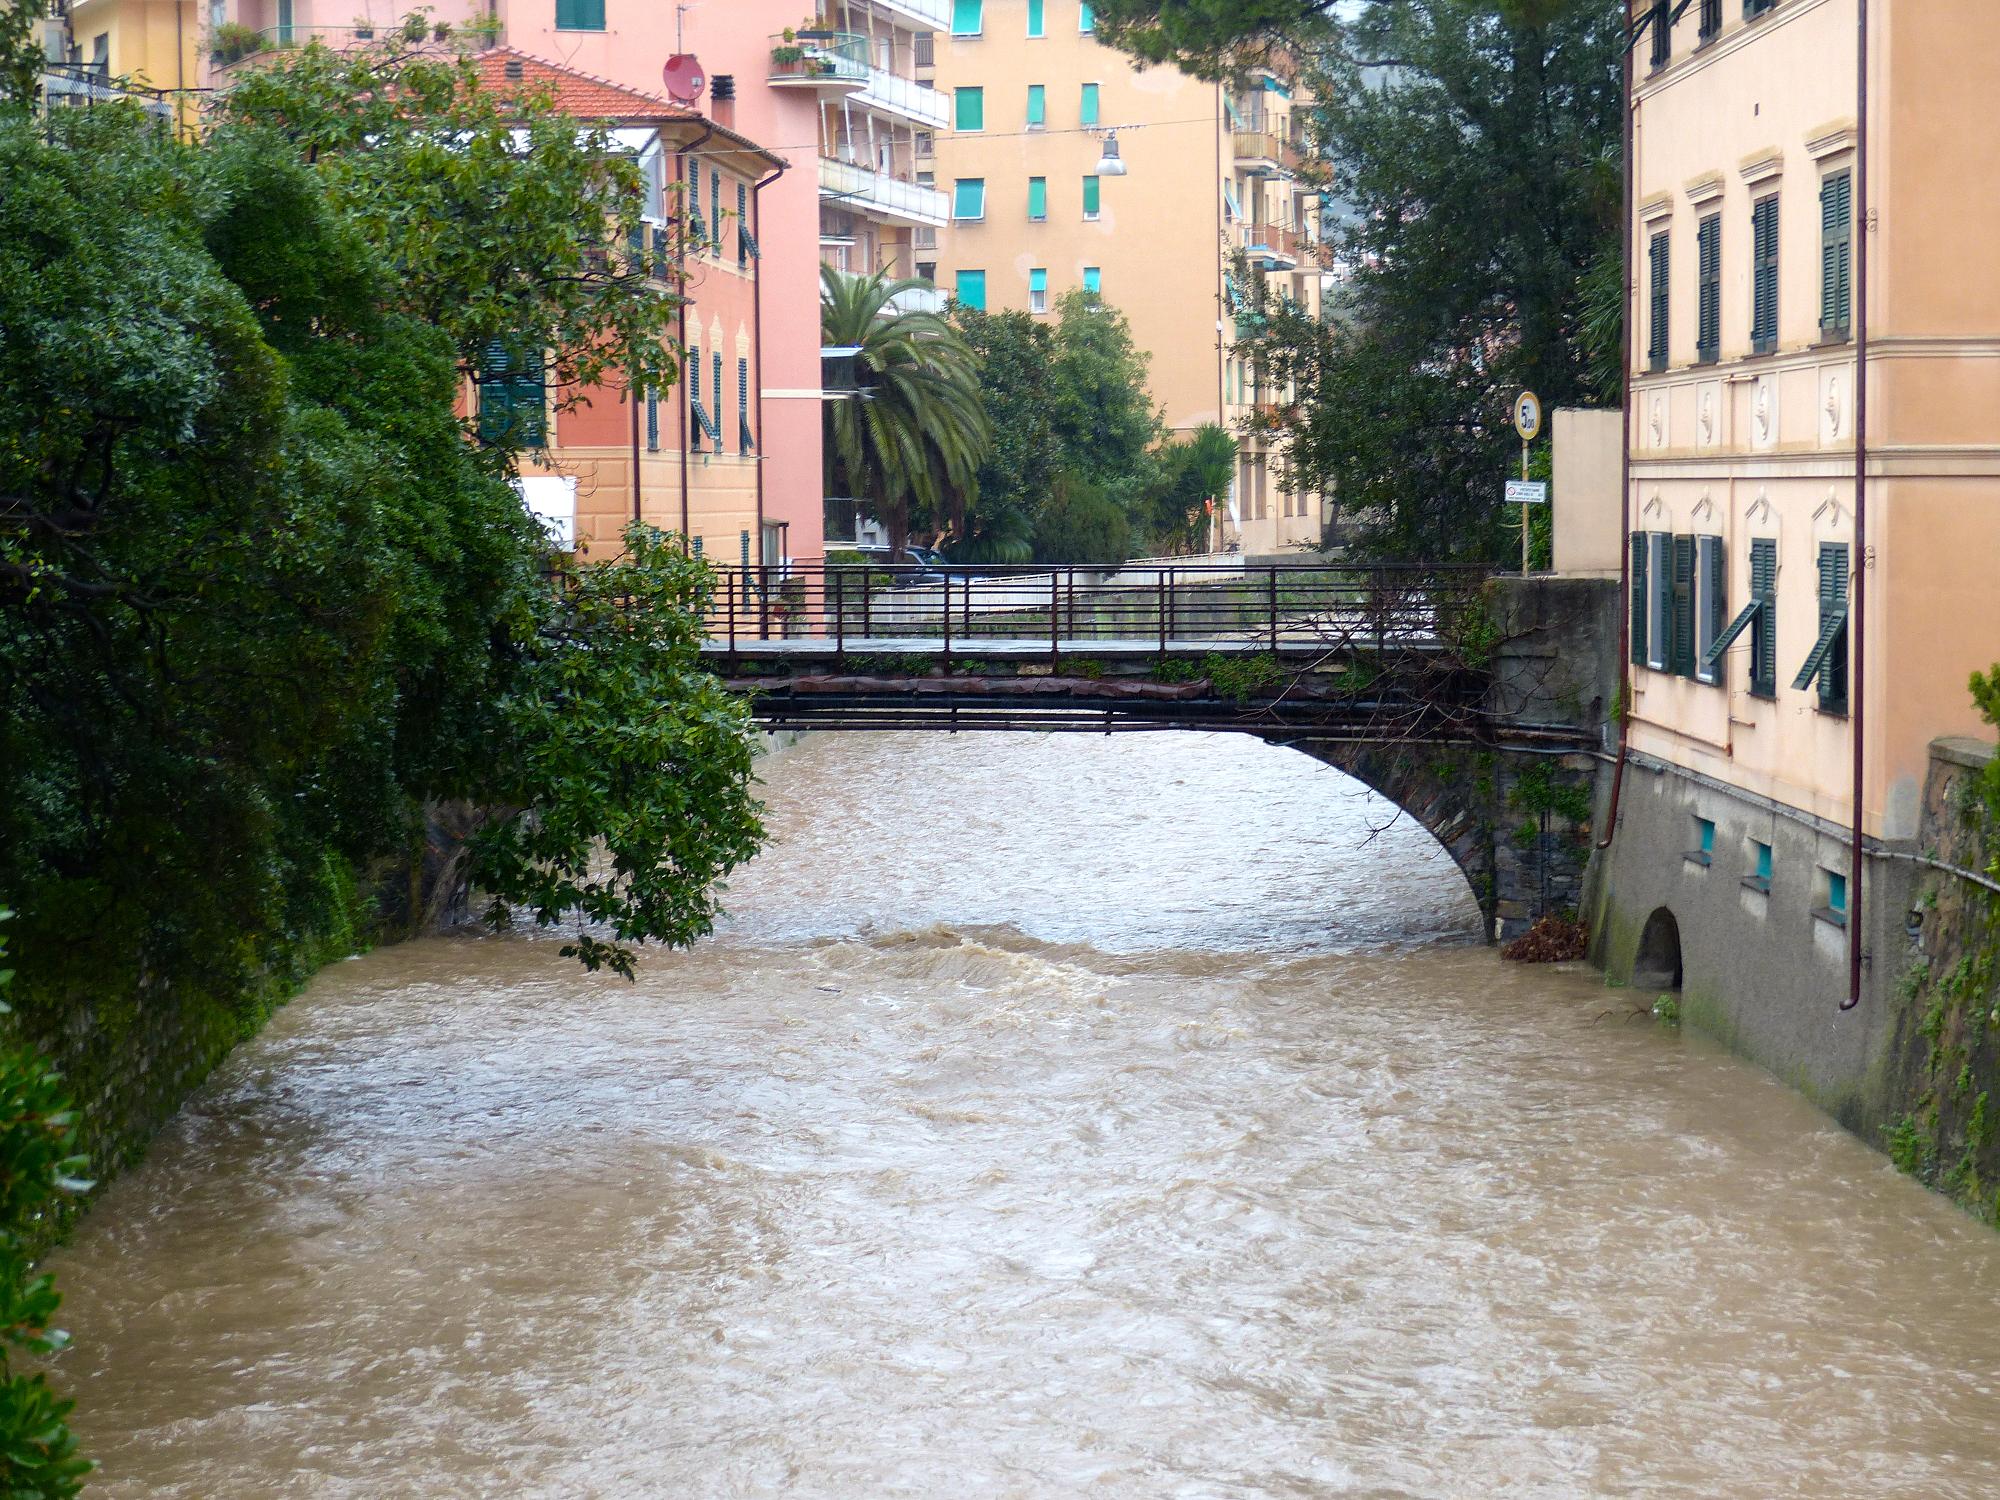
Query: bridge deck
[{"x": 1302, "y": 643}]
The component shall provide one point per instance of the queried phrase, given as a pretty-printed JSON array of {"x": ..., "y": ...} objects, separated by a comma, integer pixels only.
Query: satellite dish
[{"x": 684, "y": 78}]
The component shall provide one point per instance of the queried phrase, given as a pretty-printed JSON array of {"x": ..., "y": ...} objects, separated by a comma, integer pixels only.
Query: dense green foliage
[
  {"x": 1078, "y": 471},
  {"x": 909, "y": 442},
  {"x": 39, "y": 1163},
  {"x": 1474, "y": 143},
  {"x": 264, "y": 602}
]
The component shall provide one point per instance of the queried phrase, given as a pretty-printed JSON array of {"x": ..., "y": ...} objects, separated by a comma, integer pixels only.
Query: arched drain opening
[{"x": 1658, "y": 966}]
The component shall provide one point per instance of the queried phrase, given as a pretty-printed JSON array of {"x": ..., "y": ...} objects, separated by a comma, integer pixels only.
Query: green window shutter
[
  {"x": 966, "y": 18},
  {"x": 513, "y": 399},
  {"x": 1638, "y": 631},
  {"x": 1708, "y": 335},
  {"x": 1038, "y": 198},
  {"x": 742, "y": 225},
  {"x": 1681, "y": 661},
  {"x": 971, "y": 113},
  {"x": 1828, "y": 660},
  {"x": 715, "y": 212},
  {"x": 652, "y": 421},
  {"x": 1764, "y": 276},
  {"x": 1038, "y": 104},
  {"x": 969, "y": 198},
  {"x": 1836, "y": 252},
  {"x": 1656, "y": 344},
  {"x": 972, "y": 290},
  {"x": 1087, "y": 110},
  {"x": 744, "y": 441},
  {"x": 1086, "y": 20},
  {"x": 1093, "y": 280},
  {"x": 715, "y": 432},
  {"x": 1711, "y": 604},
  {"x": 1035, "y": 18},
  {"x": 1764, "y": 633},
  {"x": 1090, "y": 197},
  {"x": 579, "y": 15}
]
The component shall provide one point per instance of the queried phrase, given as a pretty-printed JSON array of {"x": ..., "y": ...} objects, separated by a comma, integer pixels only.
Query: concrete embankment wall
[{"x": 1765, "y": 969}]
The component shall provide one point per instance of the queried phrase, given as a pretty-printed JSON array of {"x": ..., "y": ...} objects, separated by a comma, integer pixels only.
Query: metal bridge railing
[{"x": 1159, "y": 606}]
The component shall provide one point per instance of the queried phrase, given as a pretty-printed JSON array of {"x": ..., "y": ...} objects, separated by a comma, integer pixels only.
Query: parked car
[{"x": 919, "y": 565}]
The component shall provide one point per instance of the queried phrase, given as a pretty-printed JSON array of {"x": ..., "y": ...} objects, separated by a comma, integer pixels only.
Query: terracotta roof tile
[{"x": 584, "y": 95}]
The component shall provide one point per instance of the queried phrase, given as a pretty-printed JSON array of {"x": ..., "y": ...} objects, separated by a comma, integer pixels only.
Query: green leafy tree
[
  {"x": 1101, "y": 414},
  {"x": 909, "y": 443},
  {"x": 1193, "y": 471},
  {"x": 1015, "y": 352},
  {"x": 495, "y": 214},
  {"x": 1082, "y": 524},
  {"x": 1476, "y": 143}
]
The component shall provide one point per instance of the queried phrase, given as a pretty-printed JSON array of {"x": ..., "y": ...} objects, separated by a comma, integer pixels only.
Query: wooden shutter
[
  {"x": 1656, "y": 341},
  {"x": 1708, "y": 335},
  {"x": 1833, "y": 623},
  {"x": 1638, "y": 631},
  {"x": 1764, "y": 313},
  {"x": 1711, "y": 605},
  {"x": 1764, "y": 634},
  {"x": 1680, "y": 657},
  {"x": 1836, "y": 266}
]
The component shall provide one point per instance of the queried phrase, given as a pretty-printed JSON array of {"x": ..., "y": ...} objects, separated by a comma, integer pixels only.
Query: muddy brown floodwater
[{"x": 1057, "y": 1116}]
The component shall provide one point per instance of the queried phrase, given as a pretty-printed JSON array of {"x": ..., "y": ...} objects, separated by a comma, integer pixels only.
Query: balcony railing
[
  {"x": 871, "y": 192},
  {"x": 235, "y": 47},
  {"x": 825, "y": 59},
  {"x": 934, "y": 15},
  {"x": 1273, "y": 244},
  {"x": 904, "y": 97},
  {"x": 1265, "y": 153}
]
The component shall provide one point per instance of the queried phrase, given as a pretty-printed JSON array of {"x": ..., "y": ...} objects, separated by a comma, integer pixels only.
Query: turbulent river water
[{"x": 1056, "y": 1116}]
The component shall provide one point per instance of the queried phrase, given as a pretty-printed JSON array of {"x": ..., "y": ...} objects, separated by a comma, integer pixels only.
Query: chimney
[{"x": 722, "y": 89}]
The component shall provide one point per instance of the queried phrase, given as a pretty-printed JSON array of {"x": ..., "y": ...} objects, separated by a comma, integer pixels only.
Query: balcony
[
  {"x": 1262, "y": 151},
  {"x": 833, "y": 62},
  {"x": 918, "y": 103},
  {"x": 930, "y": 15},
  {"x": 918, "y": 299},
  {"x": 1271, "y": 247},
  {"x": 883, "y": 197},
  {"x": 233, "y": 47}
]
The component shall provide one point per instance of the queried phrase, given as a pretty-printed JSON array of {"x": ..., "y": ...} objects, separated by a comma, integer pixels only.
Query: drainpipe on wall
[
  {"x": 632, "y": 396},
  {"x": 757, "y": 335},
  {"x": 1628, "y": 679},
  {"x": 1858, "y": 613},
  {"x": 681, "y": 313}
]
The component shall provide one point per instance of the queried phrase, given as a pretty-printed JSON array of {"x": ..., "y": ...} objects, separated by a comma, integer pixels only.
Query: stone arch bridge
[{"x": 1475, "y": 703}]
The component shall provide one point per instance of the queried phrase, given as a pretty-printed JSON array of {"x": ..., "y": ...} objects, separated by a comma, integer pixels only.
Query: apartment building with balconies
[
  {"x": 146, "y": 52},
  {"x": 1210, "y": 172},
  {"x": 1810, "y": 335}
]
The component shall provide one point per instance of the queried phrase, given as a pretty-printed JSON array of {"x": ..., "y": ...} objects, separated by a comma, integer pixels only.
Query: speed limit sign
[{"x": 1528, "y": 416}]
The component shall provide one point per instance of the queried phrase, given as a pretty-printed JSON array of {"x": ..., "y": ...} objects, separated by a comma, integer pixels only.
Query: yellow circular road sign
[{"x": 1528, "y": 415}]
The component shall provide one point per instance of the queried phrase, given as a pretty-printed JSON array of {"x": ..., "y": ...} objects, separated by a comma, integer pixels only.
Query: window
[
  {"x": 1038, "y": 106},
  {"x": 1656, "y": 342},
  {"x": 1703, "y": 852},
  {"x": 745, "y": 441},
  {"x": 715, "y": 432},
  {"x": 1764, "y": 276},
  {"x": 1087, "y": 110},
  {"x": 1828, "y": 659},
  {"x": 742, "y": 225},
  {"x": 1708, "y": 332},
  {"x": 1754, "y": 8},
  {"x": 1836, "y": 255},
  {"x": 513, "y": 401},
  {"x": 1759, "y": 878},
  {"x": 1759, "y": 617},
  {"x": 1038, "y": 290},
  {"x": 972, "y": 290},
  {"x": 925, "y": 142},
  {"x": 1086, "y": 21},
  {"x": 652, "y": 420},
  {"x": 715, "y": 212},
  {"x": 1093, "y": 280},
  {"x": 1035, "y": 19},
  {"x": 1711, "y": 19},
  {"x": 100, "y": 45},
  {"x": 966, "y": 18},
  {"x": 1831, "y": 889},
  {"x": 579, "y": 15},
  {"x": 1038, "y": 198},
  {"x": 927, "y": 271},
  {"x": 1711, "y": 605},
  {"x": 970, "y": 113},
  {"x": 1663, "y": 33},
  {"x": 925, "y": 50},
  {"x": 1090, "y": 197},
  {"x": 1658, "y": 574},
  {"x": 698, "y": 416},
  {"x": 969, "y": 198}
]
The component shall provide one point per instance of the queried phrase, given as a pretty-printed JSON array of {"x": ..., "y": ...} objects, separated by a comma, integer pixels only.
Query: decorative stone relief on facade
[
  {"x": 1764, "y": 413},
  {"x": 1833, "y": 406},
  {"x": 1656, "y": 420},
  {"x": 1708, "y": 414}
]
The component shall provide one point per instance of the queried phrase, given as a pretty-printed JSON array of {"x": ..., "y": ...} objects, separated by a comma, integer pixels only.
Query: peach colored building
[
  {"x": 752, "y": 169},
  {"x": 148, "y": 51},
  {"x": 1209, "y": 170},
  {"x": 1754, "y": 592}
]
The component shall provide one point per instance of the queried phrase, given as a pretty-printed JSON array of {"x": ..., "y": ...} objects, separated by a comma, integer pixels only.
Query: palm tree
[{"x": 910, "y": 441}]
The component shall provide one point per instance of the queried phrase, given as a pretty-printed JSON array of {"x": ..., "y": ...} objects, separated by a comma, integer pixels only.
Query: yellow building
[
  {"x": 146, "y": 50},
  {"x": 1034, "y": 98},
  {"x": 1789, "y": 227}
]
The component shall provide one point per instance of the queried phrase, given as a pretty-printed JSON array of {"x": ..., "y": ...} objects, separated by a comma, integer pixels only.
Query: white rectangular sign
[{"x": 1527, "y": 492}]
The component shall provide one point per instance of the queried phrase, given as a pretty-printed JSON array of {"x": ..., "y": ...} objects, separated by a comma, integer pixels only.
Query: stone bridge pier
[{"x": 1518, "y": 819}]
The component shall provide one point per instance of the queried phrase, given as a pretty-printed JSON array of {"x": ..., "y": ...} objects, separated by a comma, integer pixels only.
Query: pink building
[{"x": 753, "y": 308}]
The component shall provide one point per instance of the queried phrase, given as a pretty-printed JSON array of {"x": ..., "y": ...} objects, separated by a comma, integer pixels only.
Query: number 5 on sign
[{"x": 1528, "y": 416}]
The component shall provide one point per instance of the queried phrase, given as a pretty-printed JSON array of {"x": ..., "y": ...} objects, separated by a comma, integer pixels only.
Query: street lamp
[{"x": 1108, "y": 165}]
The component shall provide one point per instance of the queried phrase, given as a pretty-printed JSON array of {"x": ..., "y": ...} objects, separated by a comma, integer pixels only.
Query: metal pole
[
  {"x": 1271, "y": 578},
  {"x": 1524, "y": 510},
  {"x": 763, "y": 601},
  {"x": 729, "y": 594},
  {"x": 1160, "y": 605},
  {"x": 839, "y": 611},
  {"x": 947, "y": 624},
  {"x": 1055, "y": 617},
  {"x": 1857, "y": 628}
]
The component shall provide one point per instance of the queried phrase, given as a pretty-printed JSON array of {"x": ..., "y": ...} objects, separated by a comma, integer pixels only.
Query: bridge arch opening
[{"x": 1658, "y": 964}]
